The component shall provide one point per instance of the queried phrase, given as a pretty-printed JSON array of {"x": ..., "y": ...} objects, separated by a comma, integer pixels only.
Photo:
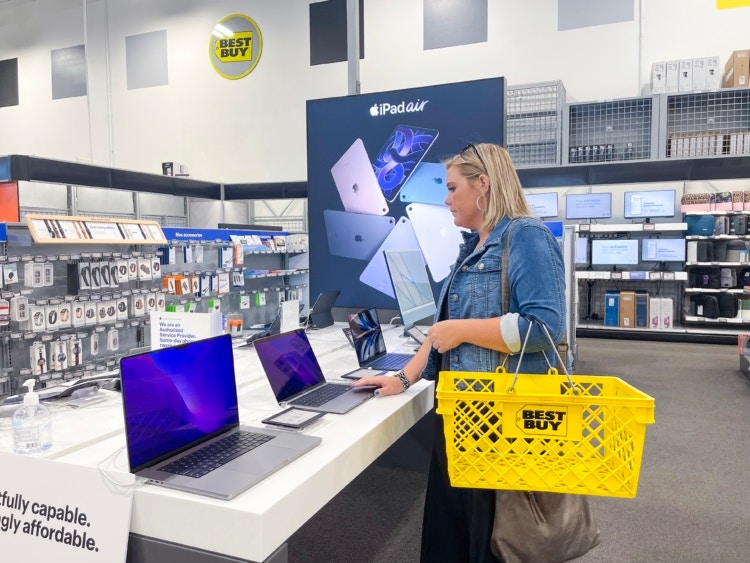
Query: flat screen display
[
  {"x": 646, "y": 204},
  {"x": 411, "y": 285},
  {"x": 614, "y": 252},
  {"x": 663, "y": 250},
  {"x": 582, "y": 251},
  {"x": 588, "y": 206},
  {"x": 543, "y": 205}
]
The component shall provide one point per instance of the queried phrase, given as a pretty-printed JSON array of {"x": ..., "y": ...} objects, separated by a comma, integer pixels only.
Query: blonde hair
[{"x": 505, "y": 198}]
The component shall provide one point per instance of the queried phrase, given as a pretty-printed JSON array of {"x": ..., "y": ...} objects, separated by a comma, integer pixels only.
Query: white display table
[{"x": 255, "y": 525}]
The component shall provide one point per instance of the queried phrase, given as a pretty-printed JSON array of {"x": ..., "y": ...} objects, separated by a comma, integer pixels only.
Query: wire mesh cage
[
  {"x": 608, "y": 131},
  {"x": 534, "y": 115},
  {"x": 706, "y": 124}
]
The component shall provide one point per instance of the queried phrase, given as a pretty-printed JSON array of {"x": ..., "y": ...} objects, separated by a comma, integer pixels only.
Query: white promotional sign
[
  {"x": 171, "y": 329},
  {"x": 289, "y": 315},
  {"x": 55, "y": 511}
]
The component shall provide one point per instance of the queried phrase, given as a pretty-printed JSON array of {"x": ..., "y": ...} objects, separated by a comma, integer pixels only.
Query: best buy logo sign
[
  {"x": 543, "y": 420},
  {"x": 235, "y": 46}
]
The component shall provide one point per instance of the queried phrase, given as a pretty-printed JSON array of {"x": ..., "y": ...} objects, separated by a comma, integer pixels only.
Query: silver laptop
[
  {"x": 182, "y": 423},
  {"x": 369, "y": 343},
  {"x": 297, "y": 380}
]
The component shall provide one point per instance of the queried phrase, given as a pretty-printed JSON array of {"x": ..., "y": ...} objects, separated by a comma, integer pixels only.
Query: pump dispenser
[{"x": 32, "y": 424}]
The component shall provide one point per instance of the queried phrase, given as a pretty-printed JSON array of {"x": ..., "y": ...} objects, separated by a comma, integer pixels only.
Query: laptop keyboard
[
  {"x": 320, "y": 395},
  {"x": 216, "y": 454},
  {"x": 392, "y": 361}
]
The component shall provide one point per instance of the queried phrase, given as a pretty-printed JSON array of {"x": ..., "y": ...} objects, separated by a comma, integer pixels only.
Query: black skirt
[{"x": 457, "y": 522}]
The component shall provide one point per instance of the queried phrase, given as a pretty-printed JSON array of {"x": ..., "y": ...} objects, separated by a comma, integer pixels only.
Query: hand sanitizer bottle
[{"x": 32, "y": 424}]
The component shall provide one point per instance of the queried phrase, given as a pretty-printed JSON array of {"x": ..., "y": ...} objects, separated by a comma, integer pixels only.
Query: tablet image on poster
[{"x": 400, "y": 155}]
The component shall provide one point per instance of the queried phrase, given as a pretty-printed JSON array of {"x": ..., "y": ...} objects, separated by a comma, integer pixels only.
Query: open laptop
[
  {"x": 181, "y": 400},
  {"x": 297, "y": 380},
  {"x": 320, "y": 313},
  {"x": 370, "y": 345}
]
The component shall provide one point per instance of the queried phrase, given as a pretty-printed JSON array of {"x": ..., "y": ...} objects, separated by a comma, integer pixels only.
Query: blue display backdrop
[{"x": 376, "y": 181}]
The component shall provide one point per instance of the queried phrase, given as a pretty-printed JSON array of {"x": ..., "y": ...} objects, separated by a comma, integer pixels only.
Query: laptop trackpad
[{"x": 271, "y": 457}]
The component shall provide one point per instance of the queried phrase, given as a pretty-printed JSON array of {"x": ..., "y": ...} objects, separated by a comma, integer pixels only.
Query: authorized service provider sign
[{"x": 235, "y": 46}]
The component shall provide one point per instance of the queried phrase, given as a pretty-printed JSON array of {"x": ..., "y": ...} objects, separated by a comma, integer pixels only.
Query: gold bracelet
[{"x": 404, "y": 380}]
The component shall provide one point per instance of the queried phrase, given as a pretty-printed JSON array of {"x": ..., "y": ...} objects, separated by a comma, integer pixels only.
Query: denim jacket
[{"x": 536, "y": 275}]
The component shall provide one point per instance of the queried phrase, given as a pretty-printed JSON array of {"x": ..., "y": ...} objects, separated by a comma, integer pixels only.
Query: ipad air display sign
[{"x": 376, "y": 181}]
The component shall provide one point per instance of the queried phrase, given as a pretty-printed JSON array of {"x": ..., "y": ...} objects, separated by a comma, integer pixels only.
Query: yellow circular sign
[{"x": 235, "y": 46}]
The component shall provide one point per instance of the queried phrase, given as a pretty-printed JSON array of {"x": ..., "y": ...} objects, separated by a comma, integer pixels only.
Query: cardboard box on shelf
[
  {"x": 627, "y": 309},
  {"x": 666, "y": 311},
  {"x": 672, "y": 84},
  {"x": 713, "y": 73},
  {"x": 699, "y": 73},
  {"x": 659, "y": 78},
  {"x": 685, "y": 80},
  {"x": 611, "y": 308},
  {"x": 737, "y": 70}
]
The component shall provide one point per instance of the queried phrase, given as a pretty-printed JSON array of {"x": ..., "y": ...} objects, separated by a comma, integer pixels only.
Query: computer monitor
[
  {"x": 649, "y": 203},
  {"x": 588, "y": 206},
  {"x": 543, "y": 205},
  {"x": 613, "y": 252},
  {"x": 410, "y": 284},
  {"x": 582, "y": 251},
  {"x": 663, "y": 250}
]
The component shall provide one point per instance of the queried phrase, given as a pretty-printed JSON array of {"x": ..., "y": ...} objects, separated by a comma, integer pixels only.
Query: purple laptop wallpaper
[
  {"x": 175, "y": 396},
  {"x": 289, "y": 363}
]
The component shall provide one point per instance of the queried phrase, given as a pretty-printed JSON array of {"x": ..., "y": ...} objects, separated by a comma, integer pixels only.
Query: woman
[{"x": 473, "y": 333}]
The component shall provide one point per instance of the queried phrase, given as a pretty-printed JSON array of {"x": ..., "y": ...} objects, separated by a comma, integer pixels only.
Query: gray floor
[{"x": 693, "y": 502}]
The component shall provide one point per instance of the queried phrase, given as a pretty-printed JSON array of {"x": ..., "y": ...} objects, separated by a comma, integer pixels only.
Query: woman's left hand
[{"x": 445, "y": 335}]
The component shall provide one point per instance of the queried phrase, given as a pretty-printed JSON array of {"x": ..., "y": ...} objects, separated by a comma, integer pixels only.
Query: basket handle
[{"x": 552, "y": 370}]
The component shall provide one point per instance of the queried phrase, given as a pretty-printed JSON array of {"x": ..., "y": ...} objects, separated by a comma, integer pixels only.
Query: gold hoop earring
[{"x": 477, "y": 204}]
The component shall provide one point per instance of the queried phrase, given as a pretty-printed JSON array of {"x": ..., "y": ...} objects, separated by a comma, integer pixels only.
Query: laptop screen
[
  {"x": 174, "y": 398},
  {"x": 289, "y": 363},
  {"x": 367, "y": 335}
]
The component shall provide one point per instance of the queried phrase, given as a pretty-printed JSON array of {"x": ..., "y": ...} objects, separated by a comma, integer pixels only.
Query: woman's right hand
[{"x": 388, "y": 385}]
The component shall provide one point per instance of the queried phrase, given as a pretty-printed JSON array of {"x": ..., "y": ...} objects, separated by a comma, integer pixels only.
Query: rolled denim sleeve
[{"x": 536, "y": 274}]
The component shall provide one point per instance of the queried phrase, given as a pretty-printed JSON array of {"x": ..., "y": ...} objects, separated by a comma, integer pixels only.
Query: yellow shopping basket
[{"x": 579, "y": 434}]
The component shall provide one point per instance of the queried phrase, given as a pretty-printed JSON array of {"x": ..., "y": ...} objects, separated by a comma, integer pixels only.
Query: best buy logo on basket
[{"x": 543, "y": 420}]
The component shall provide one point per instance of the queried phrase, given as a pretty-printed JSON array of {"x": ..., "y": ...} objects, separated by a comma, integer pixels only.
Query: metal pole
[{"x": 352, "y": 45}]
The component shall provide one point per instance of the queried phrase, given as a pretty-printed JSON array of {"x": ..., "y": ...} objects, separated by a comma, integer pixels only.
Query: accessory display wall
[{"x": 80, "y": 321}]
